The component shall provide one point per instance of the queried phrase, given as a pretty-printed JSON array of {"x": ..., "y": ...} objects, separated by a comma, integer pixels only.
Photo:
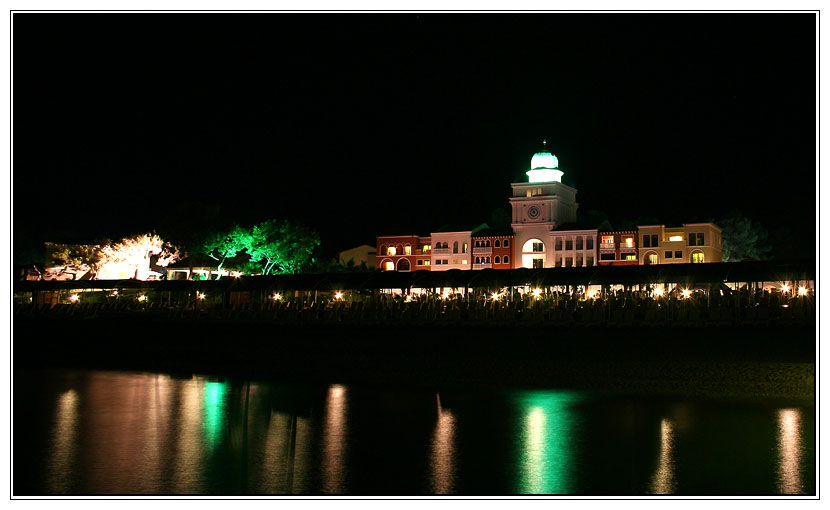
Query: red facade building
[
  {"x": 492, "y": 251},
  {"x": 617, "y": 248},
  {"x": 403, "y": 253}
]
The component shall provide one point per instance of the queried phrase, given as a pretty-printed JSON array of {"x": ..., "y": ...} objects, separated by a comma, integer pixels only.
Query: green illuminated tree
[
  {"x": 223, "y": 245},
  {"x": 743, "y": 239},
  {"x": 282, "y": 247}
]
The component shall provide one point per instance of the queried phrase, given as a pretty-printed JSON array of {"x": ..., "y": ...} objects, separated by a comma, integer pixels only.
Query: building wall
[
  {"x": 401, "y": 258},
  {"x": 499, "y": 252},
  {"x": 624, "y": 245},
  {"x": 684, "y": 247},
  {"x": 583, "y": 257},
  {"x": 460, "y": 259},
  {"x": 364, "y": 253}
]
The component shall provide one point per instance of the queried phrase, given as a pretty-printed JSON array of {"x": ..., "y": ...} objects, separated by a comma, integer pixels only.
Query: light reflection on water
[
  {"x": 789, "y": 451},
  {"x": 546, "y": 449},
  {"x": 442, "y": 452},
  {"x": 153, "y": 434},
  {"x": 663, "y": 480}
]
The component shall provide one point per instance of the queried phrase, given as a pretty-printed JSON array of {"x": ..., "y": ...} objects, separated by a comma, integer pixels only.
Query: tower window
[
  {"x": 506, "y": 243},
  {"x": 496, "y": 244}
]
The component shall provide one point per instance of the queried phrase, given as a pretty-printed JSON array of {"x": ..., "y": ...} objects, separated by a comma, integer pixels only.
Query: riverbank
[{"x": 763, "y": 362}]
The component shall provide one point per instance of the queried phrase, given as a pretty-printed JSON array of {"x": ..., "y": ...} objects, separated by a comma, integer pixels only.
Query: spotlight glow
[
  {"x": 785, "y": 288},
  {"x": 687, "y": 293},
  {"x": 200, "y": 295},
  {"x": 658, "y": 292},
  {"x": 142, "y": 298},
  {"x": 537, "y": 293},
  {"x": 338, "y": 295},
  {"x": 277, "y": 296},
  {"x": 802, "y": 291},
  {"x": 495, "y": 296},
  {"x": 74, "y": 298}
]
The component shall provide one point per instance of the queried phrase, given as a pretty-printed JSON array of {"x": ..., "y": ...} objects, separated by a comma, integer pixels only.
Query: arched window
[
  {"x": 399, "y": 249},
  {"x": 382, "y": 249},
  {"x": 507, "y": 243},
  {"x": 455, "y": 247},
  {"x": 403, "y": 265},
  {"x": 478, "y": 244},
  {"x": 650, "y": 258},
  {"x": 697, "y": 257},
  {"x": 407, "y": 250},
  {"x": 488, "y": 260},
  {"x": 497, "y": 259},
  {"x": 391, "y": 251},
  {"x": 496, "y": 244},
  {"x": 488, "y": 243},
  {"x": 534, "y": 246},
  {"x": 388, "y": 265},
  {"x": 478, "y": 260},
  {"x": 465, "y": 248},
  {"x": 506, "y": 258}
]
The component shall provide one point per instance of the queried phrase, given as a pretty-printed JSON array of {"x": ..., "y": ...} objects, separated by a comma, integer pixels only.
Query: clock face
[{"x": 533, "y": 212}]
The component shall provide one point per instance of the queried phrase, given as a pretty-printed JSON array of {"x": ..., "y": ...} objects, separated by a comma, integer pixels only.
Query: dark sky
[{"x": 366, "y": 124}]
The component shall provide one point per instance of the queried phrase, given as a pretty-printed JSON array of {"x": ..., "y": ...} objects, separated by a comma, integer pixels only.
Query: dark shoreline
[{"x": 742, "y": 362}]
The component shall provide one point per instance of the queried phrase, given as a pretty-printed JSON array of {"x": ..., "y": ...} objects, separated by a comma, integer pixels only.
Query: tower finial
[{"x": 544, "y": 144}]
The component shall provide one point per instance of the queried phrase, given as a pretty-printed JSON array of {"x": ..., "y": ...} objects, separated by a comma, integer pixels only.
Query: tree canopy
[
  {"x": 272, "y": 246},
  {"x": 743, "y": 239}
]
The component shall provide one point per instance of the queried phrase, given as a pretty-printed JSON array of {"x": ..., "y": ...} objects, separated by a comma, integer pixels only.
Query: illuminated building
[
  {"x": 574, "y": 246},
  {"x": 545, "y": 234},
  {"x": 617, "y": 248},
  {"x": 404, "y": 253},
  {"x": 689, "y": 243}
]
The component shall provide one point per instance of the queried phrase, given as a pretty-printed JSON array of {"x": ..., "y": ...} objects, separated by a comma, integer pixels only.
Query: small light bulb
[
  {"x": 338, "y": 295},
  {"x": 687, "y": 293},
  {"x": 74, "y": 297},
  {"x": 802, "y": 291},
  {"x": 277, "y": 296},
  {"x": 495, "y": 296},
  {"x": 200, "y": 295}
]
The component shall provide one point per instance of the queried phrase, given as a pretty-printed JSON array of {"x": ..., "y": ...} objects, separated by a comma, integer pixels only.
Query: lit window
[
  {"x": 426, "y": 248},
  {"x": 538, "y": 247},
  {"x": 463, "y": 261},
  {"x": 629, "y": 242},
  {"x": 607, "y": 239},
  {"x": 630, "y": 256},
  {"x": 407, "y": 250},
  {"x": 676, "y": 238},
  {"x": 390, "y": 266},
  {"x": 651, "y": 259},
  {"x": 426, "y": 262},
  {"x": 528, "y": 193},
  {"x": 465, "y": 248},
  {"x": 455, "y": 247},
  {"x": 391, "y": 251},
  {"x": 697, "y": 257}
]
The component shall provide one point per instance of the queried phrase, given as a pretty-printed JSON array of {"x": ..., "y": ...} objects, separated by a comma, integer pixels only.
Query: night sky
[{"x": 373, "y": 124}]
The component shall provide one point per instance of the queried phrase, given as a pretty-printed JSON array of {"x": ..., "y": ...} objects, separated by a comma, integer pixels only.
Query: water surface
[{"x": 92, "y": 432}]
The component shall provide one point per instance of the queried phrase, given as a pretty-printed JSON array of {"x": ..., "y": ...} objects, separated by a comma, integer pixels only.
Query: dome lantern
[{"x": 544, "y": 166}]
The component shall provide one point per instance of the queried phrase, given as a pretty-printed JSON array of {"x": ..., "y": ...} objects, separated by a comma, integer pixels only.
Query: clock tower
[{"x": 539, "y": 206}]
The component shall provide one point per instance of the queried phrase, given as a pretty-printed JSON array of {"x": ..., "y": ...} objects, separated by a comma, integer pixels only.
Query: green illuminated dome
[
  {"x": 544, "y": 160},
  {"x": 544, "y": 166}
]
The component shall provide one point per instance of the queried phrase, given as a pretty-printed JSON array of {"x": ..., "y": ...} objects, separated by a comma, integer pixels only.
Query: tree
[
  {"x": 282, "y": 247},
  {"x": 743, "y": 239},
  {"x": 130, "y": 257},
  {"x": 222, "y": 245}
]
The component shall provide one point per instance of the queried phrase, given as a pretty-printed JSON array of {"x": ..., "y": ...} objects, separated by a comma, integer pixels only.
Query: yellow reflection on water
[
  {"x": 187, "y": 475},
  {"x": 64, "y": 439},
  {"x": 284, "y": 469},
  {"x": 334, "y": 440},
  {"x": 789, "y": 451},
  {"x": 663, "y": 480},
  {"x": 442, "y": 452}
]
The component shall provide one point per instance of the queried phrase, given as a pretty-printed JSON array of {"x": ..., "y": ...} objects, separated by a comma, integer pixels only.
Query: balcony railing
[
  {"x": 607, "y": 246},
  {"x": 486, "y": 250},
  {"x": 482, "y": 266},
  {"x": 441, "y": 251}
]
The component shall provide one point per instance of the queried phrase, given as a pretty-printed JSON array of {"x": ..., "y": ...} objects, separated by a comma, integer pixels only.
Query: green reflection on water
[
  {"x": 546, "y": 432},
  {"x": 214, "y": 407}
]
